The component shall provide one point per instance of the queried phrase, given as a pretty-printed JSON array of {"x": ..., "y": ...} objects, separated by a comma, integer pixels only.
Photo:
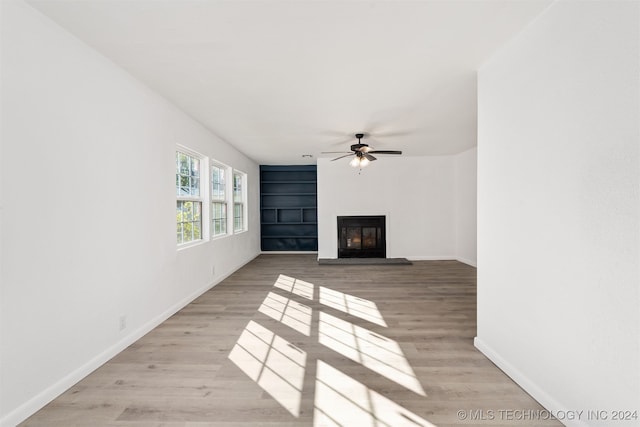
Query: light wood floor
[{"x": 344, "y": 367}]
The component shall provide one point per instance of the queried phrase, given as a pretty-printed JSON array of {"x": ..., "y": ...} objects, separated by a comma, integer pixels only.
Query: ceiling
[{"x": 279, "y": 79}]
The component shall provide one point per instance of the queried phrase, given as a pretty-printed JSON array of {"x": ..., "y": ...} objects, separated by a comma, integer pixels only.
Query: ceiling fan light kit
[
  {"x": 359, "y": 162},
  {"x": 362, "y": 153}
]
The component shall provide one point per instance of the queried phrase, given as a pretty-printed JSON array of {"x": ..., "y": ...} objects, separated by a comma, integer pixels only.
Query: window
[
  {"x": 218, "y": 201},
  {"x": 215, "y": 208},
  {"x": 189, "y": 198},
  {"x": 239, "y": 202}
]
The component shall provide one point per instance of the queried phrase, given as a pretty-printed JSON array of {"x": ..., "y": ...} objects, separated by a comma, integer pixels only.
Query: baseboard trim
[
  {"x": 468, "y": 262},
  {"x": 36, "y": 403},
  {"x": 534, "y": 390}
]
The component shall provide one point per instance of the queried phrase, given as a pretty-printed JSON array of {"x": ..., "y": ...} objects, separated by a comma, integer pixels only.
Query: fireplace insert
[{"x": 361, "y": 237}]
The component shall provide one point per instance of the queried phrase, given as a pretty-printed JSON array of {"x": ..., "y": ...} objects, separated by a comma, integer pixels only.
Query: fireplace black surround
[{"x": 361, "y": 237}]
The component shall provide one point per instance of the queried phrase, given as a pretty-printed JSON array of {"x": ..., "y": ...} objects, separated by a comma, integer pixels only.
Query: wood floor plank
[{"x": 372, "y": 341}]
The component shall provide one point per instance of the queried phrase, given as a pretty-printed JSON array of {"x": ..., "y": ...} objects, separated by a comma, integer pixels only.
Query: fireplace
[{"x": 361, "y": 237}]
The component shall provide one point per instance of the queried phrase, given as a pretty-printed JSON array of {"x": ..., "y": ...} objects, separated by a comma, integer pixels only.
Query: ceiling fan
[{"x": 362, "y": 152}]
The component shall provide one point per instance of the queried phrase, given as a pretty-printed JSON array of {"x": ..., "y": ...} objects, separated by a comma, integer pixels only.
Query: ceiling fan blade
[
  {"x": 386, "y": 152},
  {"x": 334, "y": 152},
  {"x": 369, "y": 157},
  {"x": 346, "y": 155}
]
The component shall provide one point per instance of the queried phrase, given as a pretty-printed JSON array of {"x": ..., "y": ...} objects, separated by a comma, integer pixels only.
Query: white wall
[
  {"x": 88, "y": 211},
  {"x": 559, "y": 208},
  {"x": 465, "y": 178},
  {"x": 415, "y": 193}
]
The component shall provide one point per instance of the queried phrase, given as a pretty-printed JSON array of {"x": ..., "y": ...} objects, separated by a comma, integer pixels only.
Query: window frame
[
  {"x": 201, "y": 198},
  {"x": 242, "y": 202},
  {"x": 224, "y": 200}
]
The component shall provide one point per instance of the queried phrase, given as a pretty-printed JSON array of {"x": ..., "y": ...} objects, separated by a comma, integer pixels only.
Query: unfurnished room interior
[{"x": 319, "y": 213}]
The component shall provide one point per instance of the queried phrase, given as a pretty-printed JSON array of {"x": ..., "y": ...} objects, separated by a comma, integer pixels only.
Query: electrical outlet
[{"x": 123, "y": 322}]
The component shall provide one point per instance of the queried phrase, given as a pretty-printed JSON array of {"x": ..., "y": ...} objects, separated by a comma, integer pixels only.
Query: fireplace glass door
[
  {"x": 353, "y": 236},
  {"x": 361, "y": 237}
]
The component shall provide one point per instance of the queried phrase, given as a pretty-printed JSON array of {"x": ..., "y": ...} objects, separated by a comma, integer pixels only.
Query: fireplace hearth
[{"x": 361, "y": 237}]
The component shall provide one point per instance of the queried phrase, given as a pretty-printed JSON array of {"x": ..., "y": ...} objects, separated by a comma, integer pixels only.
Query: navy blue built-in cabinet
[{"x": 288, "y": 208}]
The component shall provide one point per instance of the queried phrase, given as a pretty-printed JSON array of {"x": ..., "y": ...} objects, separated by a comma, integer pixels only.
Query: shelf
[
  {"x": 288, "y": 194},
  {"x": 290, "y": 237},
  {"x": 288, "y": 182},
  {"x": 288, "y": 208},
  {"x": 296, "y": 202},
  {"x": 288, "y": 174},
  {"x": 289, "y": 223}
]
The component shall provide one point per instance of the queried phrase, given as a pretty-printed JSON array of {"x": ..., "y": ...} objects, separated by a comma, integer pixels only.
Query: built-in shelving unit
[{"x": 288, "y": 208}]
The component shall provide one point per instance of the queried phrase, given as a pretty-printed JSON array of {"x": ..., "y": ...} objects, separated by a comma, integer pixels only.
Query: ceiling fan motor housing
[{"x": 360, "y": 147}]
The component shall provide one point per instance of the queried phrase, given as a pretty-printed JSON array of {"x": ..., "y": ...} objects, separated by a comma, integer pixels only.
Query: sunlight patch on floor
[
  {"x": 359, "y": 307},
  {"x": 278, "y": 366},
  {"x": 295, "y": 286},
  {"x": 342, "y": 401},
  {"x": 378, "y": 353},
  {"x": 289, "y": 312},
  {"x": 273, "y": 363}
]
